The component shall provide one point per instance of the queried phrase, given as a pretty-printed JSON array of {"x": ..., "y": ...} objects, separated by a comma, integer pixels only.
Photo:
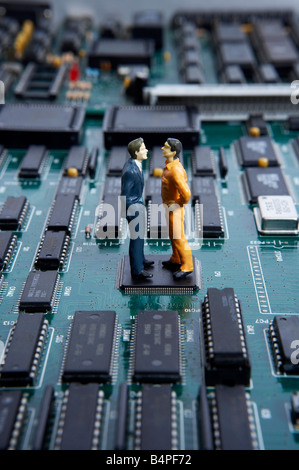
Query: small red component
[{"x": 74, "y": 72}]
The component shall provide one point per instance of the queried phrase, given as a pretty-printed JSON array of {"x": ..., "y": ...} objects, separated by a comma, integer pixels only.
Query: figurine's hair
[
  {"x": 175, "y": 146},
  {"x": 134, "y": 146}
]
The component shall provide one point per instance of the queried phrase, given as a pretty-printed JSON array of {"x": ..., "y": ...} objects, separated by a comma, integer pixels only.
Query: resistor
[{"x": 88, "y": 231}]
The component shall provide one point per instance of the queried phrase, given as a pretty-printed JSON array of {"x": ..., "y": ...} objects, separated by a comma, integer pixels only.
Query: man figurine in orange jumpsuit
[{"x": 175, "y": 193}]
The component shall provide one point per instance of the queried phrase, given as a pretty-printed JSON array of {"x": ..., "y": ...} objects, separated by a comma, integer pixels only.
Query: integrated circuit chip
[
  {"x": 7, "y": 243},
  {"x": 39, "y": 291},
  {"x": 55, "y": 126},
  {"x": 70, "y": 186},
  {"x": 77, "y": 158},
  {"x": 118, "y": 51},
  {"x": 226, "y": 355},
  {"x": 52, "y": 250},
  {"x": 23, "y": 350},
  {"x": 12, "y": 409},
  {"x": 13, "y": 213},
  {"x": 91, "y": 347},
  {"x": 157, "y": 347},
  {"x": 232, "y": 419},
  {"x": 284, "y": 335},
  {"x": 208, "y": 217},
  {"x": 202, "y": 186},
  {"x": 156, "y": 425},
  {"x": 251, "y": 149},
  {"x": 202, "y": 161},
  {"x": 80, "y": 418},
  {"x": 116, "y": 160},
  {"x": 264, "y": 182},
  {"x": 62, "y": 213},
  {"x": 155, "y": 123},
  {"x": 33, "y": 162}
]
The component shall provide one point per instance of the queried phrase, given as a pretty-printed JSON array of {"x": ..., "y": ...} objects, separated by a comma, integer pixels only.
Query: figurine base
[{"x": 162, "y": 281}]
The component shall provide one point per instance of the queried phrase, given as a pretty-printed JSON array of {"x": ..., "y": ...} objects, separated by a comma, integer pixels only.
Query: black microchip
[
  {"x": 270, "y": 29},
  {"x": 153, "y": 190},
  {"x": 109, "y": 224},
  {"x": 7, "y": 243},
  {"x": 226, "y": 354},
  {"x": 13, "y": 213},
  {"x": 202, "y": 186},
  {"x": 39, "y": 81},
  {"x": 91, "y": 347},
  {"x": 268, "y": 74},
  {"x": 234, "y": 430},
  {"x": 233, "y": 74},
  {"x": 231, "y": 32},
  {"x": 193, "y": 73},
  {"x": 21, "y": 356},
  {"x": 259, "y": 122},
  {"x": 155, "y": 123},
  {"x": 157, "y": 347},
  {"x": 55, "y": 126},
  {"x": 52, "y": 251},
  {"x": 209, "y": 217},
  {"x": 280, "y": 52},
  {"x": 251, "y": 149},
  {"x": 10, "y": 402},
  {"x": 156, "y": 159},
  {"x": 284, "y": 335},
  {"x": 33, "y": 162},
  {"x": 39, "y": 291},
  {"x": 148, "y": 24},
  {"x": 70, "y": 186},
  {"x": 112, "y": 187},
  {"x": 116, "y": 161},
  {"x": 62, "y": 213},
  {"x": 77, "y": 158},
  {"x": 80, "y": 422},
  {"x": 223, "y": 166},
  {"x": 157, "y": 419},
  {"x": 202, "y": 161},
  {"x": 237, "y": 53},
  {"x": 264, "y": 182},
  {"x": 118, "y": 51}
]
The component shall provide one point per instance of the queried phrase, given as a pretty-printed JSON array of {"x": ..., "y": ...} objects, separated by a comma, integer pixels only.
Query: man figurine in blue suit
[{"x": 132, "y": 183}]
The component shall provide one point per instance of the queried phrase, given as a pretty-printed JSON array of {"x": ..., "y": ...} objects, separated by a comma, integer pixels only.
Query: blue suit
[{"x": 132, "y": 184}]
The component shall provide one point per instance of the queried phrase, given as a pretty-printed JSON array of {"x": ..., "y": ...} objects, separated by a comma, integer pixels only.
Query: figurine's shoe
[
  {"x": 181, "y": 275},
  {"x": 147, "y": 263},
  {"x": 142, "y": 276},
  {"x": 170, "y": 265}
]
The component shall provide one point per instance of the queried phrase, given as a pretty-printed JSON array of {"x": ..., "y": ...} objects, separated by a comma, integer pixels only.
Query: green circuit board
[{"x": 258, "y": 264}]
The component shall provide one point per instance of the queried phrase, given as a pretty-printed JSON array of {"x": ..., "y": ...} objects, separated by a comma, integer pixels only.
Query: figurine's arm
[{"x": 180, "y": 181}]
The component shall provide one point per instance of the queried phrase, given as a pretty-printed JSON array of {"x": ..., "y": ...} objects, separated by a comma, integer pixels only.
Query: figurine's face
[
  {"x": 142, "y": 153},
  {"x": 167, "y": 152}
]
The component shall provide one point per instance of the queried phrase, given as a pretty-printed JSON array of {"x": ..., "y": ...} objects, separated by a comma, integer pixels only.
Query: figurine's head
[
  {"x": 172, "y": 149},
  {"x": 137, "y": 149}
]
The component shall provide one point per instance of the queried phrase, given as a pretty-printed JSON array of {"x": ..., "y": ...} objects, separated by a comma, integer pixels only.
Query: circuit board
[{"x": 89, "y": 358}]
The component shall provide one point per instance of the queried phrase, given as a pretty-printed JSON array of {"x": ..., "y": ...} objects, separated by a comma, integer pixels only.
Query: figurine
[
  {"x": 132, "y": 183},
  {"x": 175, "y": 193}
]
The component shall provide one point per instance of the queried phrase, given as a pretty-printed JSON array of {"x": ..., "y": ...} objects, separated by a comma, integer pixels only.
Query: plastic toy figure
[
  {"x": 175, "y": 193},
  {"x": 132, "y": 183}
]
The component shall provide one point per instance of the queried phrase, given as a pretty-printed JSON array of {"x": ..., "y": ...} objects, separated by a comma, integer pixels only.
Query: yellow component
[
  {"x": 82, "y": 53},
  {"x": 157, "y": 172},
  {"x": 247, "y": 28},
  {"x": 57, "y": 61},
  {"x": 23, "y": 38},
  {"x": 72, "y": 172},
  {"x": 167, "y": 56},
  {"x": 263, "y": 162},
  {"x": 127, "y": 82},
  {"x": 255, "y": 131}
]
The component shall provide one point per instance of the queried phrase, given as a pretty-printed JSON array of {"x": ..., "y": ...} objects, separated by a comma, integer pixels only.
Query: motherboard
[{"x": 205, "y": 363}]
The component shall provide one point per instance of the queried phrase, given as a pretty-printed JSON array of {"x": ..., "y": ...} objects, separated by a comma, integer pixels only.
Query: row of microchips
[{"x": 190, "y": 57}]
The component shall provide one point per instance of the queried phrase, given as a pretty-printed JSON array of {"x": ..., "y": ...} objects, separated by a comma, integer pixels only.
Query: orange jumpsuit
[{"x": 175, "y": 189}]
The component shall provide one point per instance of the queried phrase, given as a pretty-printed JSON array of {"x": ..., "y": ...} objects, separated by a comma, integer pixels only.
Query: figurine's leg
[
  {"x": 175, "y": 258},
  {"x": 180, "y": 243},
  {"x": 136, "y": 248}
]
